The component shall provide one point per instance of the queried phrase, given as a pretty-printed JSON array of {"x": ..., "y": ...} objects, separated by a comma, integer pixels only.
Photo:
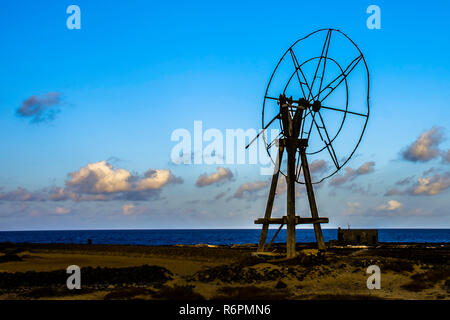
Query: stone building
[{"x": 358, "y": 236}]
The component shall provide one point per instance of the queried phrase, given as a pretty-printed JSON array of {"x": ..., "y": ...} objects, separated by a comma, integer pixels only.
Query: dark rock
[
  {"x": 90, "y": 277},
  {"x": 280, "y": 285},
  {"x": 9, "y": 258}
]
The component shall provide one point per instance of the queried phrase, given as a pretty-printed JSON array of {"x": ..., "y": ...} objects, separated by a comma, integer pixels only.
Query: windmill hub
[{"x": 316, "y": 106}]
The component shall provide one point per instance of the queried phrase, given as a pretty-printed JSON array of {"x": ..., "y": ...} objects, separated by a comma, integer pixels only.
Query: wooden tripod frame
[{"x": 291, "y": 142}]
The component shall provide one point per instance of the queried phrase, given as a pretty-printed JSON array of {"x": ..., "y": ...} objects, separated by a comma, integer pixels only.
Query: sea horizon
[
  {"x": 255, "y": 228},
  {"x": 207, "y": 236}
]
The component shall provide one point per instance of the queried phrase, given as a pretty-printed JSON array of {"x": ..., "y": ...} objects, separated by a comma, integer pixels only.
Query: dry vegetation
[{"x": 37, "y": 271}]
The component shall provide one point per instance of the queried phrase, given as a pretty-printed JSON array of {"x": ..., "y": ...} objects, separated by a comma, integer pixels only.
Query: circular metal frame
[
  {"x": 311, "y": 98},
  {"x": 346, "y": 98}
]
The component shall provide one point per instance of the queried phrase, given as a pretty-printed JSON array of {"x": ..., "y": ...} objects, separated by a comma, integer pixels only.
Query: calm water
[{"x": 211, "y": 236}]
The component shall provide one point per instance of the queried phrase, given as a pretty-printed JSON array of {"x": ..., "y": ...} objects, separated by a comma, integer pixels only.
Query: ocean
[{"x": 209, "y": 236}]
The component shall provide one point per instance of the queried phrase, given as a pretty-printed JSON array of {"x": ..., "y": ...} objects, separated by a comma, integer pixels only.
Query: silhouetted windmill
[{"x": 312, "y": 123}]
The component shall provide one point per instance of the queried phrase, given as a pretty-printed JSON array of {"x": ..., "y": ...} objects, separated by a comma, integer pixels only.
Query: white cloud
[
  {"x": 392, "y": 205},
  {"x": 21, "y": 194},
  {"x": 100, "y": 181},
  {"x": 353, "y": 208},
  {"x": 222, "y": 175},
  {"x": 426, "y": 185},
  {"x": 129, "y": 209},
  {"x": 155, "y": 179},
  {"x": 61, "y": 210},
  {"x": 432, "y": 185},
  {"x": 318, "y": 166},
  {"x": 425, "y": 147},
  {"x": 366, "y": 168},
  {"x": 249, "y": 188},
  {"x": 99, "y": 177},
  {"x": 351, "y": 174}
]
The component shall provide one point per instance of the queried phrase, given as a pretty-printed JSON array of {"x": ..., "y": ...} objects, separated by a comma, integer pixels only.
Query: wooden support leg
[
  {"x": 311, "y": 199},
  {"x": 290, "y": 244},
  {"x": 269, "y": 205}
]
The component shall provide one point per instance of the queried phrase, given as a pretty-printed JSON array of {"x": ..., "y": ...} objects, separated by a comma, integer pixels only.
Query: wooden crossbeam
[
  {"x": 298, "y": 220},
  {"x": 275, "y": 236}
]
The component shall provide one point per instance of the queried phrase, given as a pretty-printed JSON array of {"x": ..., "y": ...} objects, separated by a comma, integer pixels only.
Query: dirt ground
[{"x": 408, "y": 271}]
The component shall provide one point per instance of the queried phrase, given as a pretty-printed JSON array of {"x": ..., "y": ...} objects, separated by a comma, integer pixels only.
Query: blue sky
[{"x": 138, "y": 70}]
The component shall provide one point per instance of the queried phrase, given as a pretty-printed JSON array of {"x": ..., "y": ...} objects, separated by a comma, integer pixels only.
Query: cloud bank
[
  {"x": 101, "y": 181},
  {"x": 426, "y": 185}
]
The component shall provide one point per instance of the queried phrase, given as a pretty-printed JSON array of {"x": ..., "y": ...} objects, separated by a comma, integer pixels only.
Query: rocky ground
[{"x": 38, "y": 271}]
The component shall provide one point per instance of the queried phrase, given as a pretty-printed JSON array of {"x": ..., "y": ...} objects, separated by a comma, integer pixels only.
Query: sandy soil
[{"x": 37, "y": 271}]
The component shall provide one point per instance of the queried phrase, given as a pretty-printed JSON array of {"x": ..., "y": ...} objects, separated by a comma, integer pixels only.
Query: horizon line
[{"x": 202, "y": 229}]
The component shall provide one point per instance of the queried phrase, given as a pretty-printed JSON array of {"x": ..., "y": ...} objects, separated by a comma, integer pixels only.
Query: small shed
[{"x": 358, "y": 236}]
